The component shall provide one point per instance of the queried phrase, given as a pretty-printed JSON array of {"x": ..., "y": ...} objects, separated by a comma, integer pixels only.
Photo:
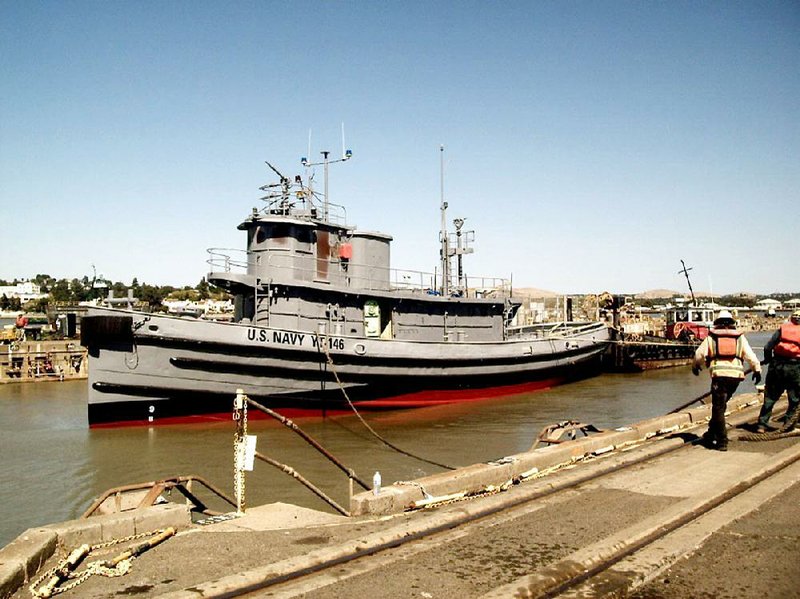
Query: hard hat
[
  {"x": 796, "y": 315},
  {"x": 724, "y": 318}
]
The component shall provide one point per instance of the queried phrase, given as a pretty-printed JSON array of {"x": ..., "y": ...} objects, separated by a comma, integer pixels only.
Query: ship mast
[
  {"x": 685, "y": 272},
  {"x": 346, "y": 155},
  {"x": 444, "y": 252}
]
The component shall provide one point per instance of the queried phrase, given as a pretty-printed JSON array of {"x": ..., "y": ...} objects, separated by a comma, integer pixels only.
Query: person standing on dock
[
  {"x": 782, "y": 353},
  {"x": 724, "y": 352}
]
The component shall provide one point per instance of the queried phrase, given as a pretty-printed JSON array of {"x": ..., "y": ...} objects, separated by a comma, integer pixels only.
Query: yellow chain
[
  {"x": 239, "y": 435},
  {"x": 244, "y": 437},
  {"x": 97, "y": 567}
]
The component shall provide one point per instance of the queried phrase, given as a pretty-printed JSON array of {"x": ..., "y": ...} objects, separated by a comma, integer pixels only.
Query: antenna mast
[
  {"x": 346, "y": 155},
  {"x": 685, "y": 272},
  {"x": 444, "y": 252}
]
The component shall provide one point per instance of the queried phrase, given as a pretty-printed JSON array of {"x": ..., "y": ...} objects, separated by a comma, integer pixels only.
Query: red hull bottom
[{"x": 418, "y": 399}]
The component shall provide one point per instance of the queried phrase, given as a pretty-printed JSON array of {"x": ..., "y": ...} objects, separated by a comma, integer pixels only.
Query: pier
[
  {"x": 43, "y": 360},
  {"x": 642, "y": 509}
]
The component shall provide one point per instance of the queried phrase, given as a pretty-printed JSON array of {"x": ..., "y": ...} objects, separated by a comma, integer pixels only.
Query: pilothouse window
[{"x": 280, "y": 232}]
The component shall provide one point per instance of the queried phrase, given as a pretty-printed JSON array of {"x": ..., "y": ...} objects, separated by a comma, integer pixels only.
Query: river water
[{"x": 53, "y": 465}]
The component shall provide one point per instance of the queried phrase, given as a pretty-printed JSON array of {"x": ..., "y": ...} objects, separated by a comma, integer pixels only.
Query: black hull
[
  {"x": 176, "y": 405},
  {"x": 648, "y": 354}
]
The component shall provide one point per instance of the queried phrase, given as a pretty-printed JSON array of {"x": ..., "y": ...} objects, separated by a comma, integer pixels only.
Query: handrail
[
  {"x": 219, "y": 259},
  {"x": 397, "y": 279},
  {"x": 558, "y": 329},
  {"x": 337, "y": 213},
  {"x": 175, "y": 482},
  {"x": 308, "y": 439},
  {"x": 302, "y": 480}
]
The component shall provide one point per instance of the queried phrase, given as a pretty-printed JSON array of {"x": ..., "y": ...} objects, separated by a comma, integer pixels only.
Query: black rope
[{"x": 323, "y": 344}]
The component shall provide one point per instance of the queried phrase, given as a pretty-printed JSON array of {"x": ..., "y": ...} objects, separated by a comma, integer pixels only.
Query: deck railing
[
  {"x": 372, "y": 277},
  {"x": 554, "y": 329}
]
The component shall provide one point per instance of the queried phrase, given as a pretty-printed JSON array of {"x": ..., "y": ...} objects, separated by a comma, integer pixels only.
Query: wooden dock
[{"x": 33, "y": 361}]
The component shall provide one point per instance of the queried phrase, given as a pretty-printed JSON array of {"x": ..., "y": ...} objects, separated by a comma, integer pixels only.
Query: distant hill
[
  {"x": 662, "y": 293},
  {"x": 532, "y": 292},
  {"x": 656, "y": 294}
]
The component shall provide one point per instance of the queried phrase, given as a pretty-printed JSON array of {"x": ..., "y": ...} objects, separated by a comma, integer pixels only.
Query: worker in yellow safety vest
[
  {"x": 724, "y": 352},
  {"x": 782, "y": 353}
]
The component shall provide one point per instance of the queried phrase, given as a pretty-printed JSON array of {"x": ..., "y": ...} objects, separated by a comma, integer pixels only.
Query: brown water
[{"x": 53, "y": 465}]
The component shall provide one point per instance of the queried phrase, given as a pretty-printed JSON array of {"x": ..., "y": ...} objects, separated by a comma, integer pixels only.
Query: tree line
[
  {"x": 74, "y": 291},
  {"x": 739, "y": 300}
]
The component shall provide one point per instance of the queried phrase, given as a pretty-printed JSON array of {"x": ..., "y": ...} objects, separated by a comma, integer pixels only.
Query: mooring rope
[
  {"x": 787, "y": 430},
  {"x": 323, "y": 343}
]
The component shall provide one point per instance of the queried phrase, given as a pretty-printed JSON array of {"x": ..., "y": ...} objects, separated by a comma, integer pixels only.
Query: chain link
[
  {"x": 98, "y": 567},
  {"x": 244, "y": 437},
  {"x": 239, "y": 437}
]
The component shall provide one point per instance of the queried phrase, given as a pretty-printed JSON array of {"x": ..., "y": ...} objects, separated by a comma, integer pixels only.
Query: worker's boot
[{"x": 708, "y": 439}]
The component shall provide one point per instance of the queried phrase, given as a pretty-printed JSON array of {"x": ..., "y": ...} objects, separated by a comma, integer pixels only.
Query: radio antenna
[
  {"x": 444, "y": 251},
  {"x": 346, "y": 155}
]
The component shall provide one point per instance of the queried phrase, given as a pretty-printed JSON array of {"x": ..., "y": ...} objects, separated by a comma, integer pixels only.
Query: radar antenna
[
  {"x": 284, "y": 185},
  {"x": 276, "y": 171}
]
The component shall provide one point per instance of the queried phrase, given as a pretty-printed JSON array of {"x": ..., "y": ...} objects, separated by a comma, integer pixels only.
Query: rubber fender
[{"x": 102, "y": 330}]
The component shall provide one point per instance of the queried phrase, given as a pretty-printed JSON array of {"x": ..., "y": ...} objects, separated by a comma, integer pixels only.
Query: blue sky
[{"x": 590, "y": 145}]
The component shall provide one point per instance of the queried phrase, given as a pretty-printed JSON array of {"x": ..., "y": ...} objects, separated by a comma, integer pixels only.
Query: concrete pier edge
[
  {"x": 22, "y": 558},
  {"x": 402, "y": 495},
  {"x": 431, "y": 521}
]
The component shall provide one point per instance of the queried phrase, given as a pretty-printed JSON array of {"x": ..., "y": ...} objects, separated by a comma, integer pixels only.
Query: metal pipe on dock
[{"x": 311, "y": 441}]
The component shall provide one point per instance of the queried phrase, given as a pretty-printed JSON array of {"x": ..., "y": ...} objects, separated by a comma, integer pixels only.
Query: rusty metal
[
  {"x": 301, "y": 479},
  {"x": 147, "y": 493},
  {"x": 311, "y": 441},
  {"x": 554, "y": 433},
  {"x": 137, "y": 550}
]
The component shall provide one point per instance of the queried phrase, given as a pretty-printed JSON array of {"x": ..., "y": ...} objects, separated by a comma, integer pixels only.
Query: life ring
[
  {"x": 684, "y": 331},
  {"x": 679, "y": 328}
]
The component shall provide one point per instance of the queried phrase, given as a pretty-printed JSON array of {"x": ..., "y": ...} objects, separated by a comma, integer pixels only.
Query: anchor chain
[
  {"x": 118, "y": 566},
  {"x": 239, "y": 436}
]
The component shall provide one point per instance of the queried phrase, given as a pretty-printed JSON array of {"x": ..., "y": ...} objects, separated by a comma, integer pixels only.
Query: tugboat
[
  {"x": 322, "y": 323},
  {"x": 685, "y": 328}
]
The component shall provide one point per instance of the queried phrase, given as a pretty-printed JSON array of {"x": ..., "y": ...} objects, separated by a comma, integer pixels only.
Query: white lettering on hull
[{"x": 260, "y": 336}]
